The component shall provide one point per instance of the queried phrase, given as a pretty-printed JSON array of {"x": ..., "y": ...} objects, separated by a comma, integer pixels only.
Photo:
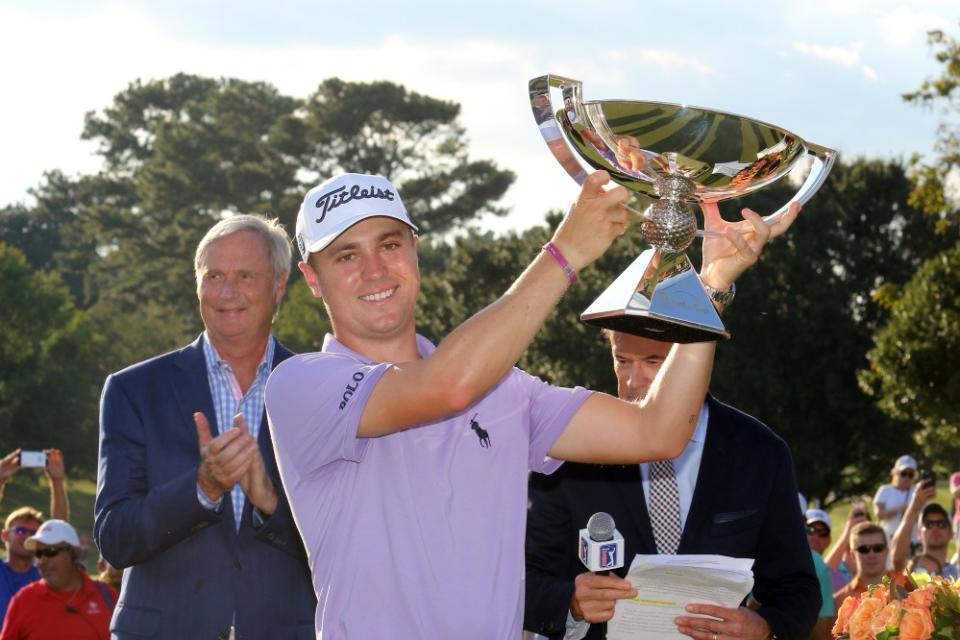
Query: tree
[
  {"x": 192, "y": 149},
  {"x": 910, "y": 374},
  {"x": 915, "y": 364},
  {"x": 64, "y": 230},
  {"x": 48, "y": 363},
  {"x": 412, "y": 139},
  {"x": 932, "y": 179}
]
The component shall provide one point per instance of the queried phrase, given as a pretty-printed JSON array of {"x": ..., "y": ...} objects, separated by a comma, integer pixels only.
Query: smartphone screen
[{"x": 33, "y": 459}]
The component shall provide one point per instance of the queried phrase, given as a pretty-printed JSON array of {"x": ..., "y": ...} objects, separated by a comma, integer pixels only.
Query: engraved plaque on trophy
[{"x": 671, "y": 156}]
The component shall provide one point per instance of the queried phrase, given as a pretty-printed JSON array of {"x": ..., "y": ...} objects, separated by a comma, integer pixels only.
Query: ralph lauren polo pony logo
[{"x": 480, "y": 431}]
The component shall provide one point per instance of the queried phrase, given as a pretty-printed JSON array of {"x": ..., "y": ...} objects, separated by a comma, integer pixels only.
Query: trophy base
[{"x": 659, "y": 296}]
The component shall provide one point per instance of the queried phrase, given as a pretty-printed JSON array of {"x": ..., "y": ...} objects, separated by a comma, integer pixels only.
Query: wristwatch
[{"x": 722, "y": 298}]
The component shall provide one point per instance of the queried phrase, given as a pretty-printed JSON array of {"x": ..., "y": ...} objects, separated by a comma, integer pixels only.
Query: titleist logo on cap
[{"x": 333, "y": 199}]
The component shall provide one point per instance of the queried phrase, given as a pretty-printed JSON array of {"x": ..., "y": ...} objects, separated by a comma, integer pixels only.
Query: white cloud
[
  {"x": 904, "y": 26},
  {"x": 843, "y": 56},
  {"x": 848, "y": 57}
]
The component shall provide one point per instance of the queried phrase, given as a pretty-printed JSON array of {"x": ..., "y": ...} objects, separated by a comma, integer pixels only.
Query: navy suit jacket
[
  {"x": 188, "y": 571},
  {"x": 744, "y": 505}
]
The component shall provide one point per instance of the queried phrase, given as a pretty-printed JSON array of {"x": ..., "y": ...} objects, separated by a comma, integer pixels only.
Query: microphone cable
[{"x": 96, "y": 632}]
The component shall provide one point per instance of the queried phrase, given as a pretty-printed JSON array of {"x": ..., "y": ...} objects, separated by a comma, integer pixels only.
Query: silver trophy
[{"x": 670, "y": 155}]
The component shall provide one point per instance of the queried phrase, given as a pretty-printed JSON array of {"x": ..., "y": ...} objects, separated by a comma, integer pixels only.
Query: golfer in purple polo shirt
[{"x": 405, "y": 463}]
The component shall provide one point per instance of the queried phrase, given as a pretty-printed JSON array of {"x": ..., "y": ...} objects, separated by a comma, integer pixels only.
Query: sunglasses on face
[
  {"x": 817, "y": 531},
  {"x": 868, "y": 548},
  {"x": 906, "y": 473},
  {"x": 50, "y": 552},
  {"x": 24, "y": 532},
  {"x": 936, "y": 524}
]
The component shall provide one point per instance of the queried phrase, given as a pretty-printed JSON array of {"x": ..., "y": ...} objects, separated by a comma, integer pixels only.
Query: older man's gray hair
[{"x": 270, "y": 229}]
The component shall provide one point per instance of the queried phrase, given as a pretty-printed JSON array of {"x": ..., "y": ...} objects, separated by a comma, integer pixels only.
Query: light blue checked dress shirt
[
  {"x": 686, "y": 467},
  {"x": 228, "y": 401}
]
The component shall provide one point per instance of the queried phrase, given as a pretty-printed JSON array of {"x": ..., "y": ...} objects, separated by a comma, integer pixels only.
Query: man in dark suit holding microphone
[{"x": 731, "y": 491}]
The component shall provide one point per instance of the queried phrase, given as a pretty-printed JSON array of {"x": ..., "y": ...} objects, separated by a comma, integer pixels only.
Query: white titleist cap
[{"x": 334, "y": 206}]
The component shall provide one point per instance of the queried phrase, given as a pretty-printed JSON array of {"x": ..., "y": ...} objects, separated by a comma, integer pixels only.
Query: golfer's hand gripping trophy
[{"x": 670, "y": 156}]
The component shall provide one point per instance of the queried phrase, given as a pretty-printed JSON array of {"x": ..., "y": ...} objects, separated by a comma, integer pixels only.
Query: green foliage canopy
[
  {"x": 912, "y": 364},
  {"x": 915, "y": 363}
]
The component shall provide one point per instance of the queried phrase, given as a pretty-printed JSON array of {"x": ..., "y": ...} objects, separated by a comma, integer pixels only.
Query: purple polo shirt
[{"x": 418, "y": 534}]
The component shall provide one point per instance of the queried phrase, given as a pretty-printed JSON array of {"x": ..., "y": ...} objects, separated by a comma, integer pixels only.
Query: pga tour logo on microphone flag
[
  {"x": 601, "y": 556},
  {"x": 608, "y": 556}
]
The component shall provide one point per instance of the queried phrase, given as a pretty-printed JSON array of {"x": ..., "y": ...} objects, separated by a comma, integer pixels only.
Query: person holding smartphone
[
  {"x": 934, "y": 526},
  {"x": 19, "y": 569},
  {"x": 892, "y": 499}
]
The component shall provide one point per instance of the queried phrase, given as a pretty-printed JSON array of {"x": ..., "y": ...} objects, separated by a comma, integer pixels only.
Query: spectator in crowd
[
  {"x": 18, "y": 569},
  {"x": 818, "y": 537},
  {"x": 406, "y": 464},
  {"x": 65, "y": 602},
  {"x": 869, "y": 542},
  {"x": 56, "y": 475},
  {"x": 818, "y": 528},
  {"x": 955, "y": 499},
  {"x": 188, "y": 501},
  {"x": 718, "y": 509},
  {"x": 818, "y": 524},
  {"x": 109, "y": 573},
  {"x": 841, "y": 559},
  {"x": 891, "y": 500},
  {"x": 925, "y": 563},
  {"x": 935, "y": 532}
]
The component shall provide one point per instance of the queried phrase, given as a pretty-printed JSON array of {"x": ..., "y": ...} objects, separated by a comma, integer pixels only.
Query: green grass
[
  {"x": 30, "y": 488},
  {"x": 840, "y": 512}
]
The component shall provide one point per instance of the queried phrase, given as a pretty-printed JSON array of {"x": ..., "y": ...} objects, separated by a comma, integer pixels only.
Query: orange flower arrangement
[{"x": 926, "y": 608}]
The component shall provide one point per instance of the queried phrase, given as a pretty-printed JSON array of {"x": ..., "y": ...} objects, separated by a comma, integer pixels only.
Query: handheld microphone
[{"x": 601, "y": 545}]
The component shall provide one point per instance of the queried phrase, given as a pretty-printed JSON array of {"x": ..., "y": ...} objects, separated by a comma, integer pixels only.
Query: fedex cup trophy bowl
[{"x": 670, "y": 155}]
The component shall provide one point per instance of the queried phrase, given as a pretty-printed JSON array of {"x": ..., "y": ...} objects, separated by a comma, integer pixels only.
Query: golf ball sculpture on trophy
[{"x": 671, "y": 156}]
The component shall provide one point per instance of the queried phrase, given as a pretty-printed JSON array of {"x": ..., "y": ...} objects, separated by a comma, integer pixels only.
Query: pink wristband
[{"x": 567, "y": 269}]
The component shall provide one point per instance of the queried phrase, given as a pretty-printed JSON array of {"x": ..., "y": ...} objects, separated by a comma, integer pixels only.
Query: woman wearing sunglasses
[{"x": 892, "y": 499}]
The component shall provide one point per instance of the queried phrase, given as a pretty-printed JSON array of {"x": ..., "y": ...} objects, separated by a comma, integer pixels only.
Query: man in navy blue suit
[
  {"x": 189, "y": 500},
  {"x": 737, "y": 496}
]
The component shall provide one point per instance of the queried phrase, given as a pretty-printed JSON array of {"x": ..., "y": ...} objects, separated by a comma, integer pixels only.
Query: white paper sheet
[{"x": 666, "y": 584}]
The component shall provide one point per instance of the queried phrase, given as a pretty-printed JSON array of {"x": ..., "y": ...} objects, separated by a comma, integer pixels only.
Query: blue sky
[{"x": 830, "y": 70}]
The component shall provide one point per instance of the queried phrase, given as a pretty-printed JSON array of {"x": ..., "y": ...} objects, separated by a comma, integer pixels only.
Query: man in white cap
[
  {"x": 818, "y": 524},
  {"x": 406, "y": 463},
  {"x": 65, "y": 602},
  {"x": 892, "y": 499}
]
